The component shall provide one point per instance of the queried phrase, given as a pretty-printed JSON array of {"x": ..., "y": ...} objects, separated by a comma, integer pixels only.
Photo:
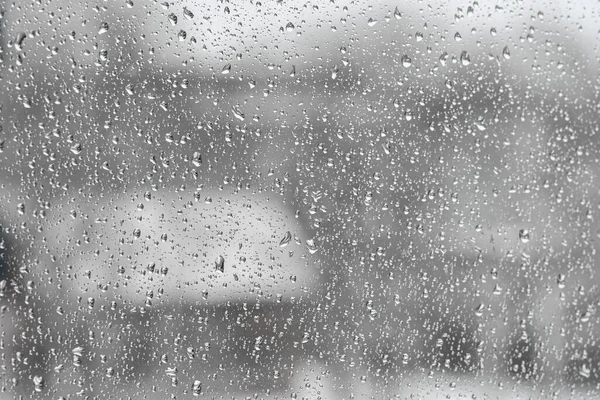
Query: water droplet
[
  {"x": 21, "y": 208},
  {"x": 173, "y": 19},
  {"x": 38, "y": 383},
  {"x": 103, "y": 28},
  {"x": 479, "y": 310},
  {"x": 310, "y": 245},
  {"x": 585, "y": 371},
  {"x": 561, "y": 281},
  {"x": 371, "y": 22},
  {"x": 220, "y": 264},
  {"x": 457, "y": 37},
  {"x": 226, "y": 69},
  {"x": 191, "y": 352},
  {"x": 334, "y": 72},
  {"x": 196, "y": 388},
  {"x": 524, "y": 235},
  {"x": 187, "y": 13},
  {"x": 76, "y": 148},
  {"x": 19, "y": 39},
  {"x": 506, "y": 53},
  {"x": 238, "y": 114},
  {"x": 77, "y": 356},
  {"x": 287, "y": 238},
  {"x": 465, "y": 58},
  {"x": 289, "y": 27},
  {"x": 182, "y": 35},
  {"x": 406, "y": 61},
  {"x": 197, "y": 159}
]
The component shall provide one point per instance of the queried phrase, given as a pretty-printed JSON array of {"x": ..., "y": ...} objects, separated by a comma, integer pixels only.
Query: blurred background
[{"x": 276, "y": 199}]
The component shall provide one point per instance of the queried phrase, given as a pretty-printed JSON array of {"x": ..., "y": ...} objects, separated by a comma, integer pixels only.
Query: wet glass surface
[{"x": 276, "y": 199}]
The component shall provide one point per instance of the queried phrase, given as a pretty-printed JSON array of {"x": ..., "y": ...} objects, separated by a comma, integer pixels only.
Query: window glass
[{"x": 309, "y": 200}]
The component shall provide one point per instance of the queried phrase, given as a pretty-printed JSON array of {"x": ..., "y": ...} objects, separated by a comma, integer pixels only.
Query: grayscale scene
[{"x": 284, "y": 199}]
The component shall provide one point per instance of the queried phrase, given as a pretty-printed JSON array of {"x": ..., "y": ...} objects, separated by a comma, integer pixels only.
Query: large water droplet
[{"x": 406, "y": 61}]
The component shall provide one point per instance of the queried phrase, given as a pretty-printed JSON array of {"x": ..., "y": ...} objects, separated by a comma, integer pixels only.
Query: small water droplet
[
  {"x": 397, "y": 13},
  {"x": 457, "y": 37},
  {"x": 524, "y": 235},
  {"x": 173, "y": 19},
  {"x": 290, "y": 27},
  {"x": 103, "y": 28},
  {"x": 38, "y": 383},
  {"x": 334, "y": 72},
  {"x": 197, "y": 159},
  {"x": 76, "y": 148},
  {"x": 443, "y": 59},
  {"x": 287, "y": 238},
  {"x": 406, "y": 61},
  {"x": 191, "y": 352},
  {"x": 19, "y": 39},
  {"x": 585, "y": 371},
  {"x": 220, "y": 264},
  {"x": 226, "y": 69},
  {"x": 479, "y": 310},
  {"x": 187, "y": 13},
  {"x": 465, "y": 58},
  {"x": 561, "y": 281},
  {"x": 77, "y": 356},
  {"x": 310, "y": 245},
  {"x": 196, "y": 388},
  {"x": 371, "y": 22},
  {"x": 506, "y": 53}
]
